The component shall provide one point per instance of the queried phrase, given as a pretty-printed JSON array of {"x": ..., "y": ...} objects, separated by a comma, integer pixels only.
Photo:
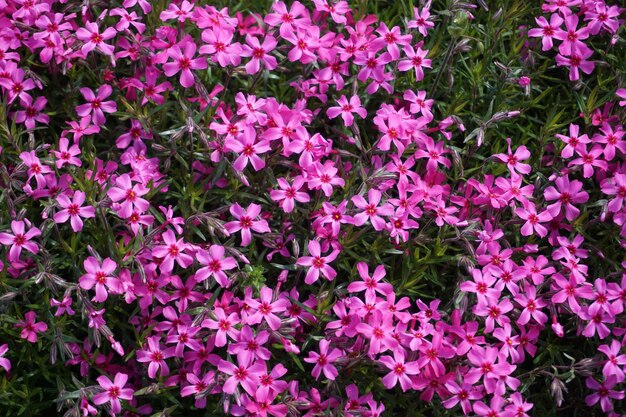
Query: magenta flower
[
  {"x": 370, "y": 284},
  {"x": 390, "y": 38},
  {"x": 574, "y": 141},
  {"x": 32, "y": 111},
  {"x": 96, "y": 106},
  {"x": 400, "y": 370},
  {"x": 567, "y": 193},
  {"x": 346, "y": 108},
  {"x": 183, "y": 61},
  {"x": 172, "y": 250},
  {"x": 615, "y": 360},
  {"x": 156, "y": 357},
  {"x": 324, "y": 360},
  {"x": 571, "y": 37},
  {"x": 67, "y": 154},
  {"x": 174, "y": 11},
  {"x": 417, "y": 60},
  {"x": 533, "y": 220},
  {"x": 531, "y": 306},
  {"x": 246, "y": 221},
  {"x": 100, "y": 276},
  {"x": 289, "y": 193},
  {"x": 546, "y": 31},
  {"x": 576, "y": 61},
  {"x": 20, "y": 238},
  {"x": 131, "y": 196},
  {"x": 379, "y": 331},
  {"x": 93, "y": 39},
  {"x": 318, "y": 264},
  {"x": 225, "y": 326},
  {"x": 259, "y": 53},
  {"x": 604, "y": 393},
  {"x": 218, "y": 44},
  {"x": 434, "y": 153},
  {"x": 73, "y": 210},
  {"x": 512, "y": 160},
  {"x": 267, "y": 308},
  {"x": 422, "y": 21},
  {"x": 4, "y": 362},
  {"x": 35, "y": 168},
  {"x": 16, "y": 85},
  {"x": 215, "y": 265},
  {"x": 113, "y": 392},
  {"x": 372, "y": 210},
  {"x": 244, "y": 374},
  {"x": 30, "y": 327},
  {"x": 63, "y": 306},
  {"x": 336, "y": 9},
  {"x": 248, "y": 149},
  {"x": 248, "y": 346}
]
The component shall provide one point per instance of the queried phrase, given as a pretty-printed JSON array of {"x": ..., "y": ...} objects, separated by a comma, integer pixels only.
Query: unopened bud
[{"x": 557, "y": 389}]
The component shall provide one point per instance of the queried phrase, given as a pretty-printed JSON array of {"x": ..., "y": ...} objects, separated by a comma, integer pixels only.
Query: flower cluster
[{"x": 282, "y": 214}]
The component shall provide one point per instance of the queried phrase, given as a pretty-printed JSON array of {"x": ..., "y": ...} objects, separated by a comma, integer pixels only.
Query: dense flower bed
[{"x": 315, "y": 208}]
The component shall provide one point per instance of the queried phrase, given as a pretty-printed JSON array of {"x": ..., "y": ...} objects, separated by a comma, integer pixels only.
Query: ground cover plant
[{"x": 316, "y": 208}]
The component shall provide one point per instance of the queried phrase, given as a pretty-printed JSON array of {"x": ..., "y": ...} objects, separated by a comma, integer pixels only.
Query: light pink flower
[
  {"x": 318, "y": 264},
  {"x": 346, "y": 108},
  {"x": 183, "y": 61},
  {"x": 100, "y": 276},
  {"x": 324, "y": 360},
  {"x": 20, "y": 238},
  {"x": 215, "y": 265}
]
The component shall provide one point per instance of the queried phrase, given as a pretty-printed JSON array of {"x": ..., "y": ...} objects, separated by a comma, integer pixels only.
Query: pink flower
[
  {"x": 101, "y": 277},
  {"x": 390, "y": 39},
  {"x": 156, "y": 357},
  {"x": 571, "y": 37},
  {"x": 244, "y": 374},
  {"x": 267, "y": 308},
  {"x": 246, "y": 221},
  {"x": 318, "y": 264},
  {"x": 346, "y": 108},
  {"x": 533, "y": 220},
  {"x": 434, "y": 153},
  {"x": 589, "y": 160},
  {"x": 370, "y": 284},
  {"x": 180, "y": 13},
  {"x": 248, "y": 149},
  {"x": 67, "y": 154},
  {"x": 183, "y": 61},
  {"x": 513, "y": 159},
  {"x": 417, "y": 60},
  {"x": 604, "y": 393},
  {"x": 63, "y": 306},
  {"x": 35, "y": 168},
  {"x": 546, "y": 30},
  {"x": 113, "y": 392},
  {"x": 296, "y": 17},
  {"x": 566, "y": 193},
  {"x": 576, "y": 61},
  {"x": 621, "y": 93},
  {"x": 337, "y": 9},
  {"x": 400, "y": 370},
  {"x": 324, "y": 361},
  {"x": 95, "y": 106},
  {"x": 289, "y": 193},
  {"x": 573, "y": 141},
  {"x": 615, "y": 360},
  {"x": 531, "y": 306},
  {"x": 32, "y": 111},
  {"x": 73, "y": 210},
  {"x": 130, "y": 194},
  {"x": 4, "y": 362},
  {"x": 422, "y": 21},
  {"x": 93, "y": 39},
  {"x": 216, "y": 264},
  {"x": 259, "y": 53},
  {"x": 372, "y": 210},
  {"x": 172, "y": 250},
  {"x": 225, "y": 326},
  {"x": 30, "y": 328},
  {"x": 218, "y": 44},
  {"x": 20, "y": 239}
]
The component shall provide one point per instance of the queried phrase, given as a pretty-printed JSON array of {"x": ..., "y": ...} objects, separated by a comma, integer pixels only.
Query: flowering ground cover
[{"x": 316, "y": 208}]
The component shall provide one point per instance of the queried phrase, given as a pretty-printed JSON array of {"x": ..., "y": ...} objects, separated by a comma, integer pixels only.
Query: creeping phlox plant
[{"x": 317, "y": 208}]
